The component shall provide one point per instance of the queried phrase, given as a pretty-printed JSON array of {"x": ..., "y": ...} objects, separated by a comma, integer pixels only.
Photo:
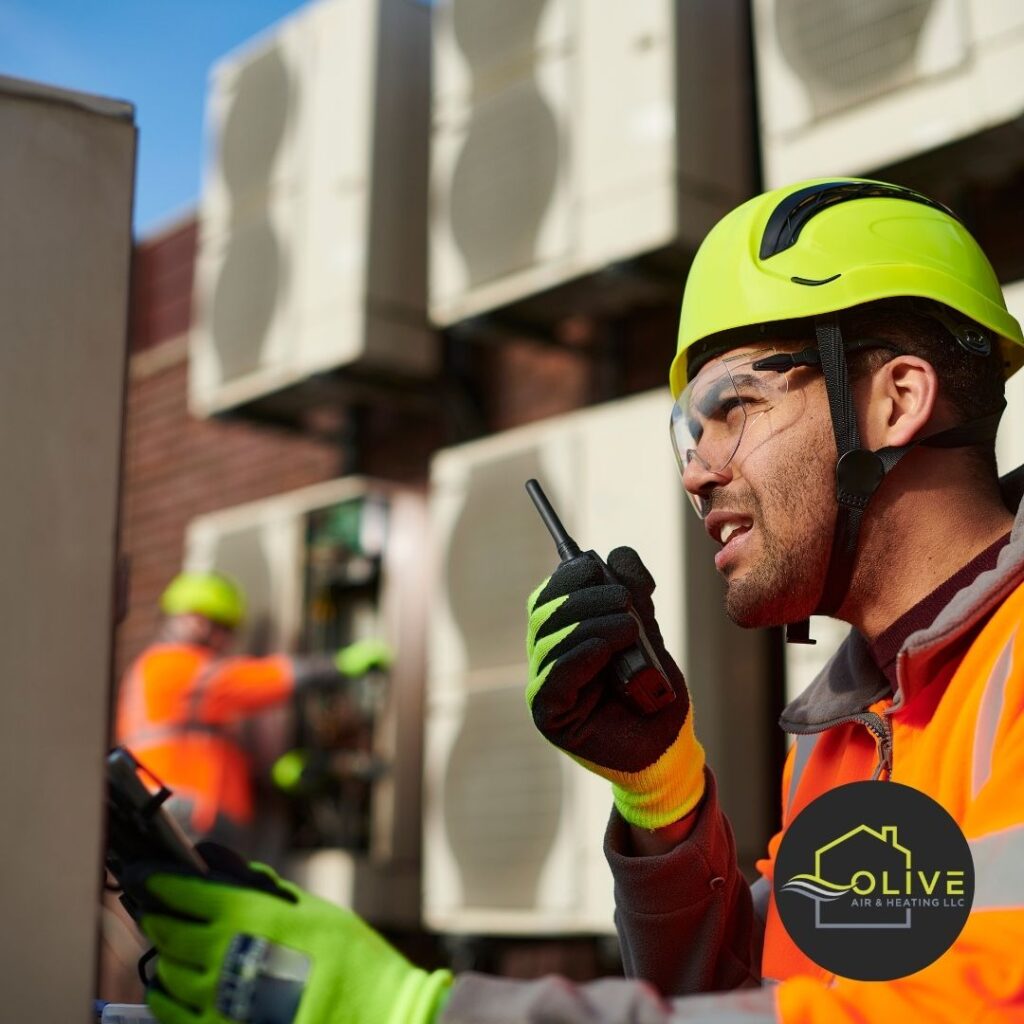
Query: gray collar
[{"x": 851, "y": 681}]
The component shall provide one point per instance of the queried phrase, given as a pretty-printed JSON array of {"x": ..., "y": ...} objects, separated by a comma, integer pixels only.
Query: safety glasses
[{"x": 723, "y": 404}]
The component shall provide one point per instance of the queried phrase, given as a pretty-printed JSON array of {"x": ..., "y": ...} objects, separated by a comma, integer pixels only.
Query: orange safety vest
[
  {"x": 176, "y": 711},
  {"x": 956, "y": 732}
]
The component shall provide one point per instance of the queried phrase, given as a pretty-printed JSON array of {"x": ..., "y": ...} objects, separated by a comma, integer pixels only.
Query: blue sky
[{"x": 155, "y": 53}]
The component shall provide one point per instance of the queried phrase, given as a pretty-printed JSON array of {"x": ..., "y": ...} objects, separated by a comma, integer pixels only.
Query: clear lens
[{"x": 714, "y": 412}]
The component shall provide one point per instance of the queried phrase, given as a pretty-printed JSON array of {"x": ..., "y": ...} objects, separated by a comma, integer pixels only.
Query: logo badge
[{"x": 874, "y": 880}]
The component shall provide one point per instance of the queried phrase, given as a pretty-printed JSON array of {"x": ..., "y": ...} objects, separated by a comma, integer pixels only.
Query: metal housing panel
[{"x": 66, "y": 174}]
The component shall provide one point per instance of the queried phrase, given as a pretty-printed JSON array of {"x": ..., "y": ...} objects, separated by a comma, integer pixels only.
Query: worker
[
  {"x": 834, "y": 323},
  {"x": 183, "y": 700}
]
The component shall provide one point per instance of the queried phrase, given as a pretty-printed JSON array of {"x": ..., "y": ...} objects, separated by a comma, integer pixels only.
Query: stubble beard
[{"x": 794, "y": 526}]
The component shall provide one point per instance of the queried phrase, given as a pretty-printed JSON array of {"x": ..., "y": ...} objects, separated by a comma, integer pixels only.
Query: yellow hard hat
[
  {"x": 822, "y": 246},
  {"x": 211, "y": 594}
]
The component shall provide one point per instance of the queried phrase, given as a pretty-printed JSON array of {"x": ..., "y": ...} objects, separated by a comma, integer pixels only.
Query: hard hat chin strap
[{"x": 860, "y": 471}]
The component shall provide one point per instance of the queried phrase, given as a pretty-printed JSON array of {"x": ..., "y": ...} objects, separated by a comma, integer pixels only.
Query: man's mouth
[
  {"x": 728, "y": 529},
  {"x": 722, "y": 526}
]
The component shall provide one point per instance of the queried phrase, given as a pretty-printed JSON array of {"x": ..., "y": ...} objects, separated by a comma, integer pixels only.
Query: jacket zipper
[
  {"x": 884, "y": 738},
  {"x": 877, "y": 725}
]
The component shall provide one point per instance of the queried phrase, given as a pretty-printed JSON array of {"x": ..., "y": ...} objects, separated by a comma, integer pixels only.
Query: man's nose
[{"x": 699, "y": 480}]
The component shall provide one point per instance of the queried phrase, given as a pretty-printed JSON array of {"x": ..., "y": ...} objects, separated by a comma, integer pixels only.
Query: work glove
[
  {"x": 243, "y": 946},
  {"x": 363, "y": 656},
  {"x": 578, "y": 620}
]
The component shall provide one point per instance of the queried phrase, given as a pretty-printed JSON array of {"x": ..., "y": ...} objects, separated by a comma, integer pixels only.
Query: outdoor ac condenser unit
[
  {"x": 312, "y": 241},
  {"x": 513, "y": 827},
  {"x": 572, "y": 134},
  {"x": 265, "y": 545},
  {"x": 848, "y": 87}
]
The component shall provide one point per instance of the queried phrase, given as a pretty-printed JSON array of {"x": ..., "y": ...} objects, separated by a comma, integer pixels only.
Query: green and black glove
[
  {"x": 577, "y": 622},
  {"x": 262, "y": 951}
]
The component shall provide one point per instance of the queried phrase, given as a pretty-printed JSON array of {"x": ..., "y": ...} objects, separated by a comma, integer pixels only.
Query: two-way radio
[
  {"x": 640, "y": 678},
  {"x": 139, "y": 829}
]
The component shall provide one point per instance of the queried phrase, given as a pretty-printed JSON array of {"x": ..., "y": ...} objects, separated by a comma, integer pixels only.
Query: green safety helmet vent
[
  {"x": 210, "y": 594},
  {"x": 822, "y": 246}
]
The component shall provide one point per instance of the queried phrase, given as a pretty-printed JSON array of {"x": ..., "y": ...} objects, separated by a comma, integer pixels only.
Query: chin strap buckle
[
  {"x": 799, "y": 632},
  {"x": 858, "y": 474}
]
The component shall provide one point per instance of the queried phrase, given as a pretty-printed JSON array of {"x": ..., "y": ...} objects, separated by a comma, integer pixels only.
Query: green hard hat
[
  {"x": 821, "y": 246},
  {"x": 210, "y": 594}
]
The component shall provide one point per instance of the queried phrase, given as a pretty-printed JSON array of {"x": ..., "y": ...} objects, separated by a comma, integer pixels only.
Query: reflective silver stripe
[
  {"x": 740, "y": 1006},
  {"x": 156, "y": 733},
  {"x": 989, "y": 712},
  {"x": 206, "y": 674},
  {"x": 760, "y": 892},
  {"x": 804, "y": 746},
  {"x": 999, "y": 870}
]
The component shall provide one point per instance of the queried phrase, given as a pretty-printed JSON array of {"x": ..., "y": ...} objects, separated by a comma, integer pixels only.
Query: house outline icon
[{"x": 886, "y": 835}]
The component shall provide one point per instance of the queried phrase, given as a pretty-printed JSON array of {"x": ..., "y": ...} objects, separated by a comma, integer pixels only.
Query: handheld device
[
  {"x": 138, "y": 826},
  {"x": 640, "y": 679}
]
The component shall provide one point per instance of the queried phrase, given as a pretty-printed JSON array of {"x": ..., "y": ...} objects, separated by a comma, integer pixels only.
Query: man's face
[
  {"x": 773, "y": 505},
  {"x": 198, "y": 629}
]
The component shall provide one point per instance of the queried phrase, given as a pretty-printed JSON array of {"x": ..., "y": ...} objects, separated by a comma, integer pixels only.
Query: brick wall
[
  {"x": 163, "y": 267},
  {"x": 177, "y": 467}
]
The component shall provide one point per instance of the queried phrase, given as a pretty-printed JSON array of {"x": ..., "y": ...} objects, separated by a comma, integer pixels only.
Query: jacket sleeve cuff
[
  {"x": 314, "y": 670},
  {"x": 687, "y": 874},
  {"x": 477, "y": 999}
]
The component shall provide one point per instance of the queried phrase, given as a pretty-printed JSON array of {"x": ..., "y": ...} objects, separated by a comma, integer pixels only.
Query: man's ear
[{"x": 903, "y": 397}]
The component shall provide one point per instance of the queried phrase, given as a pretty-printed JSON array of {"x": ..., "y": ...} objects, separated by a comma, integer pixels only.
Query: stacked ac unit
[
  {"x": 263, "y": 546},
  {"x": 513, "y": 827},
  {"x": 571, "y": 134},
  {"x": 312, "y": 239},
  {"x": 850, "y": 86}
]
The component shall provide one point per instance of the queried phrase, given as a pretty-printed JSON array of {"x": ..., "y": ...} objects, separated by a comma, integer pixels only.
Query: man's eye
[{"x": 727, "y": 406}]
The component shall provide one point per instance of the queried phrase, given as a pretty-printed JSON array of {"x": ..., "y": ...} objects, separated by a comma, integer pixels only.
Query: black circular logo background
[{"x": 874, "y": 880}]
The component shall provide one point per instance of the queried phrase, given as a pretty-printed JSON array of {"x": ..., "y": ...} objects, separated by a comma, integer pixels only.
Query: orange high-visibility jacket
[
  {"x": 176, "y": 712},
  {"x": 688, "y": 922},
  {"x": 955, "y": 730}
]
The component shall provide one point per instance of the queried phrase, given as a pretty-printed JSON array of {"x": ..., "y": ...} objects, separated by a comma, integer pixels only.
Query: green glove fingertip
[
  {"x": 421, "y": 998},
  {"x": 362, "y": 656},
  {"x": 532, "y": 599},
  {"x": 287, "y": 770}
]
